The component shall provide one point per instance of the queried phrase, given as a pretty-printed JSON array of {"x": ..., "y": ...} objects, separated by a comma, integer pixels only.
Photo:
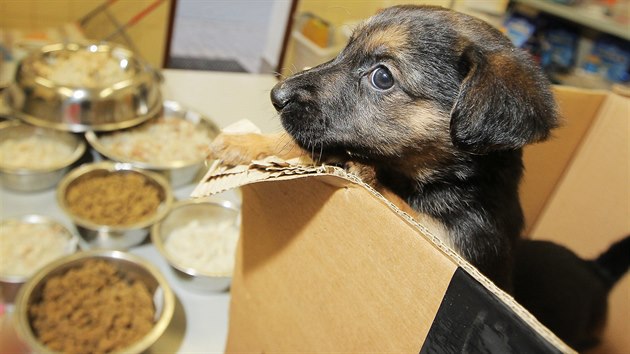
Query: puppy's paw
[
  {"x": 366, "y": 173},
  {"x": 236, "y": 149}
]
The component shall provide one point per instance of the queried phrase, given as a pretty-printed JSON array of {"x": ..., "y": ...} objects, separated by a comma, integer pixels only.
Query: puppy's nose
[{"x": 280, "y": 97}]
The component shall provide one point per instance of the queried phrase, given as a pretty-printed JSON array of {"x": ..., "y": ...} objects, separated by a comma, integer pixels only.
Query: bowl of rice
[
  {"x": 113, "y": 205},
  {"x": 29, "y": 243},
  {"x": 99, "y": 301},
  {"x": 84, "y": 86},
  {"x": 198, "y": 239},
  {"x": 35, "y": 158},
  {"x": 174, "y": 143}
]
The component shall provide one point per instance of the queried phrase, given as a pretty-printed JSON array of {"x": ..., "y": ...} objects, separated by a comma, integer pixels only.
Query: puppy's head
[{"x": 422, "y": 83}]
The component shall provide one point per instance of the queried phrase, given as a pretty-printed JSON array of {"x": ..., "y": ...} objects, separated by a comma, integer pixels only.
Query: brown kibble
[
  {"x": 92, "y": 309},
  {"x": 116, "y": 199}
]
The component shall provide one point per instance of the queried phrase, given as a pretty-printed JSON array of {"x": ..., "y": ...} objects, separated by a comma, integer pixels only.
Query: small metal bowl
[
  {"x": 181, "y": 215},
  {"x": 35, "y": 98},
  {"x": 128, "y": 266},
  {"x": 99, "y": 235},
  {"x": 39, "y": 177},
  {"x": 179, "y": 172},
  {"x": 10, "y": 282}
]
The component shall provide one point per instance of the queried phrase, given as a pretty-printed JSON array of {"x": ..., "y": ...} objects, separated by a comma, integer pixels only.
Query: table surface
[{"x": 200, "y": 323}]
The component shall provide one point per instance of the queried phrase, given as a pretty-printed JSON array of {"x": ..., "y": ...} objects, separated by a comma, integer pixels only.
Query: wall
[
  {"x": 149, "y": 34},
  {"x": 340, "y": 12}
]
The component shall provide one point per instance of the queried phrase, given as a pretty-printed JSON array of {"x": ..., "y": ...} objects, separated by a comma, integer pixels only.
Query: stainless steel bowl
[
  {"x": 95, "y": 235},
  {"x": 37, "y": 178},
  {"x": 178, "y": 172},
  {"x": 36, "y": 99},
  {"x": 11, "y": 283},
  {"x": 182, "y": 213},
  {"x": 128, "y": 266}
]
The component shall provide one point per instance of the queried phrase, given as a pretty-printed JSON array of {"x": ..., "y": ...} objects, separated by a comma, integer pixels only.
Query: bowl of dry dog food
[
  {"x": 113, "y": 205},
  {"x": 78, "y": 87},
  {"x": 98, "y": 301},
  {"x": 35, "y": 158},
  {"x": 174, "y": 143},
  {"x": 198, "y": 239},
  {"x": 29, "y": 243}
]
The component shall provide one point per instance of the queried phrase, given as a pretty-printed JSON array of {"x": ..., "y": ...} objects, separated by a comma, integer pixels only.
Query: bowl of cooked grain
[
  {"x": 29, "y": 243},
  {"x": 175, "y": 143},
  {"x": 35, "y": 158},
  {"x": 99, "y": 301},
  {"x": 84, "y": 86},
  {"x": 113, "y": 205},
  {"x": 198, "y": 239}
]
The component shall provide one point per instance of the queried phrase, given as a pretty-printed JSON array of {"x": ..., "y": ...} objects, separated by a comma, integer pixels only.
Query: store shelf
[{"x": 580, "y": 15}]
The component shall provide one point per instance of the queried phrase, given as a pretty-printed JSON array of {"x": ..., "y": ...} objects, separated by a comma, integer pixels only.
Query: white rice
[
  {"x": 82, "y": 68},
  {"x": 34, "y": 151},
  {"x": 160, "y": 142},
  {"x": 204, "y": 246},
  {"x": 26, "y": 247}
]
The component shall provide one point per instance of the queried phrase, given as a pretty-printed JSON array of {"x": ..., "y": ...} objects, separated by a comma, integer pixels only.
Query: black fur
[
  {"x": 568, "y": 294},
  {"x": 446, "y": 137}
]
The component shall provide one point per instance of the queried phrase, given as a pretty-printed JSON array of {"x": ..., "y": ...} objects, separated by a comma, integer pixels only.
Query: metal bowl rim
[
  {"x": 81, "y": 128},
  {"x": 111, "y": 166},
  {"x": 158, "y": 242},
  {"x": 168, "y": 307}
]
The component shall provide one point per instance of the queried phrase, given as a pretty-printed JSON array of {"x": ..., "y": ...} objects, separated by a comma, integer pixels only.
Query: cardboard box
[{"x": 326, "y": 264}]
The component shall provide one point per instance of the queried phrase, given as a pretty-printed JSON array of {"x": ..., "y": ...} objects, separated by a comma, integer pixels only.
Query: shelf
[{"x": 580, "y": 15}]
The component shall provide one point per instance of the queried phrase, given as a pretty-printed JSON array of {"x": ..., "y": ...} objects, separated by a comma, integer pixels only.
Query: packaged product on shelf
[
  {"x": 611, "y": 58},
  {"x": 559, "y": 51}
]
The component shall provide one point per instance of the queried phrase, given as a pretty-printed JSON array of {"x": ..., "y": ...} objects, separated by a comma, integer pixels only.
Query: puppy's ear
[{"x": 504, "y": 102}]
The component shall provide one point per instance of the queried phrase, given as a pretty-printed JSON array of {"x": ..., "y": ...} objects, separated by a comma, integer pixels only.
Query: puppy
[
  {"x": 432, "y": 106},
  {"x": 568, "y": 294}
]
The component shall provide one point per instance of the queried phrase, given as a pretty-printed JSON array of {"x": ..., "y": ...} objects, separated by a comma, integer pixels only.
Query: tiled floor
[{"x": 219, "y": 32}]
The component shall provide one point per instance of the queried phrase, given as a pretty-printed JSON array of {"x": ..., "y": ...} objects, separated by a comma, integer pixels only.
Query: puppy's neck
[{"x": 478, "y": 207}]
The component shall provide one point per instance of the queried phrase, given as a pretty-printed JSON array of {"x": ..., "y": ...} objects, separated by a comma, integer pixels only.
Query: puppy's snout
[{"x": 280, "y": 97}]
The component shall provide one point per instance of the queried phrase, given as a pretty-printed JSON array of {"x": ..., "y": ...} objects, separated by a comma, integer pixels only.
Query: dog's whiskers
[
  {"x": 279, "y": 75},
  {"x": 321, "y": 152}
]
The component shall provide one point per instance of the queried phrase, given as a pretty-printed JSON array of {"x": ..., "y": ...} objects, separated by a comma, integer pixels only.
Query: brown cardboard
[
  {"x": 590, "y": 207},
  {"x": 325, "y": 263},
  {"x": 545, "y": 163},
  {"x": 335, "y": 275}
]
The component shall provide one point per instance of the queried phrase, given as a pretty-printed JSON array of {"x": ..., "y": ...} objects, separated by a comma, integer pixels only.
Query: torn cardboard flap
[{"x": 220, "y": 178}]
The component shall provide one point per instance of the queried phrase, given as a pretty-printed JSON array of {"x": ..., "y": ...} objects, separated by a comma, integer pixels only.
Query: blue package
[
  {"x": 560, "y": 48},
  {"x": 519, "y": 29},
  {"x": 613, "y": 59}
]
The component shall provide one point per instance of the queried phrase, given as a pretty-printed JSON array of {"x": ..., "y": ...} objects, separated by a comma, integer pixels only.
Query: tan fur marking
[
  {"x": 392, "y": 38},
  {"x": 428, "y": 121}
]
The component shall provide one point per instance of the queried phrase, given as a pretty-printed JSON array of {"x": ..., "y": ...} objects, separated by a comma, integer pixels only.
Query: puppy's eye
[{"x": 381, "y": 78}]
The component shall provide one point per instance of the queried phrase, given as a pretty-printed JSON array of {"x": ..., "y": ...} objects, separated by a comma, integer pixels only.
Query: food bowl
[
  {"x": 69, "y": 298},
  {"x": 79, "y": 87},
  {"x": 35, "y": 158},
  {"x": 113, "y": 205},
  {"x": 175, "y": 143},
  {"x": 198, "y": 239},
  {"x": 29, "y": 243}
]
